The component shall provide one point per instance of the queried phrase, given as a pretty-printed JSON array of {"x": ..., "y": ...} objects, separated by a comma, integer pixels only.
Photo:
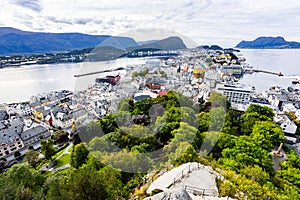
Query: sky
[{"x": 222, "y": 22}]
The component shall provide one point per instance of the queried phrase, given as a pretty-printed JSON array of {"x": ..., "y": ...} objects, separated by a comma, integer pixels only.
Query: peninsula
[{"x": 268, "y": 43}]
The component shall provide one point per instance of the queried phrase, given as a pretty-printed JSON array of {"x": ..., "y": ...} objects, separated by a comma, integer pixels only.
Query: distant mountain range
[
  {"x": 18, "y": 42},
  {"x": 268, "y": 43},
  {"x": 14, "y": 41}
]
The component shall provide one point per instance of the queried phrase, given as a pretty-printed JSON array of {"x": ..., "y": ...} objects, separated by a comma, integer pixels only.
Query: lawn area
[
  {"x": 70, "y": 150},
  {"x": 44, "y": 161},
  {"x": 65, "y": 159},
  {"x": 60, "y": 152}
]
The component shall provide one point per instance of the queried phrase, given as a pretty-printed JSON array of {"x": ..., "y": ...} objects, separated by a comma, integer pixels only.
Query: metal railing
[
  {"x": 200, "y": 191},
  {"x": 186, "y": 171}
]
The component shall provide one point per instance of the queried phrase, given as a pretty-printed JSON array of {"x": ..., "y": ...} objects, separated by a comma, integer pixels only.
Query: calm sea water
[
  {"x": 274, "y": 60},
  {"x": 19, "y": 84}
]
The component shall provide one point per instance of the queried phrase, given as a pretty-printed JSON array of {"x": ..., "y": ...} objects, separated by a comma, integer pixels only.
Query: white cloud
[
  {"x": 223, "y": 22},
  {"x": 29, "y": 4}
]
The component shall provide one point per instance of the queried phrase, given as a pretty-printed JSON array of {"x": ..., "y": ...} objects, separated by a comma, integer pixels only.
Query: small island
[{"x": 268, "y": 43}]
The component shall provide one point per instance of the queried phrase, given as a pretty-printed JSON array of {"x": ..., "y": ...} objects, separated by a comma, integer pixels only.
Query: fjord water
[
  {"x": 20, "y": 83},
  {"x": 286, "y": 61}
]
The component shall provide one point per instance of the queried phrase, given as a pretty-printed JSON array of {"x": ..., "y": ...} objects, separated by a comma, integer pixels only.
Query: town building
[
  {"x": 33, "y": 135},
  {"x": 287, "y": 125},
  {"x": 17, "y": 133},
  {"x": 238, "y": 95}
]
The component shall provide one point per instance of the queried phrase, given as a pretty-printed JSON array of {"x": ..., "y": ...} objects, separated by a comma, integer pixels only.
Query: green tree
[
  {"x": 91, "y": 130},
  {"x": 217, "y": 118},
  {"x": 216, "y": 99},
  {"x": 142, "y": 148},
  {"x": 112, "y": 179},
  {"x": 17, "y": 153},
  {"x": 231, "y": 124},
  {"x": 185, "y": 133},
  {"x": 79, "y": 155},
  {"x": 267, "y": 134},
  {"x": 32, "y": 158},
  {"x": 86, "y": 184},
  {"x": 108, "y": 124},
  {"x": 184, "y": 153},
  {"x": 164, "y": 130},
  {"x": 253, "y": 114},
  {"x": 249, "y": 120},
  {"x": 56, "y": 187},
  {"x": 219, "y": 141},
  {"x": 262, "y": 110},
  {"x": 30, "y": 147},
  {"x": 20, "y": 182},
  {"x": 99, "y": 144},
  {"x": 239, "y": 186},
  {"x": 47, "y": 148},
  {"x": 126, "y": 161},
  {"x": 126, "y": 105},
  {"x": 256, "y": 174},
  {"x": 123, "y": 118},
  {"x": 204, "y": 121},
  {"x": 134, "y": 74},
  {"x": 246, "y": 153},
  {"x": 142, "y": 106}
]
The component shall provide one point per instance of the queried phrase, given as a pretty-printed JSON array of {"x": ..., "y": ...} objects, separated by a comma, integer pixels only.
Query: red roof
[{"x": 162, "y": 92}]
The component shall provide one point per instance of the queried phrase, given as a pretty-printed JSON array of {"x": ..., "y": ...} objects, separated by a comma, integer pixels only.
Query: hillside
[
  {"x": 170, "y": 43},
  {"x": 268, "y": 43},
  {"x": 14, "y": 41},
  {"x": 102, "y": 53}
]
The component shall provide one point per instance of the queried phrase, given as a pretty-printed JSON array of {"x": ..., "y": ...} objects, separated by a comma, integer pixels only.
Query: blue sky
[{"x": 220, "y": 22}]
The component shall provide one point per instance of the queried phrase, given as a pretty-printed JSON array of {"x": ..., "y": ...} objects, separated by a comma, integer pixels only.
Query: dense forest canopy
[{"x": 111, "y": 156}]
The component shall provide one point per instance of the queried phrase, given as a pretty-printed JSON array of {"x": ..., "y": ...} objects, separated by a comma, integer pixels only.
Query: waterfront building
[
  {"x": 231, "y": 70},
  {"x": 238, "y": 95}
]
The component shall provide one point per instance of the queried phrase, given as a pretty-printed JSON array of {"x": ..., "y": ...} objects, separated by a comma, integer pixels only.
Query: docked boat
[{"x": 296, "y": 81}]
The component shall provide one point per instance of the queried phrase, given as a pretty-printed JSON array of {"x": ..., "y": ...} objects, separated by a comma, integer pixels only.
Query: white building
[
  {"x": 238, "y": 95},
  {"x": 9, "y": 142},
  {"x": 289, "y": 108},
  {"x": 287, "y": 125}
]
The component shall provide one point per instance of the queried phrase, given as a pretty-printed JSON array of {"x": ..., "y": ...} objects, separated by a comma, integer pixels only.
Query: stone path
[
  {"x": 164, "y": 181},
  {"x": 194, "y": 175}
]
